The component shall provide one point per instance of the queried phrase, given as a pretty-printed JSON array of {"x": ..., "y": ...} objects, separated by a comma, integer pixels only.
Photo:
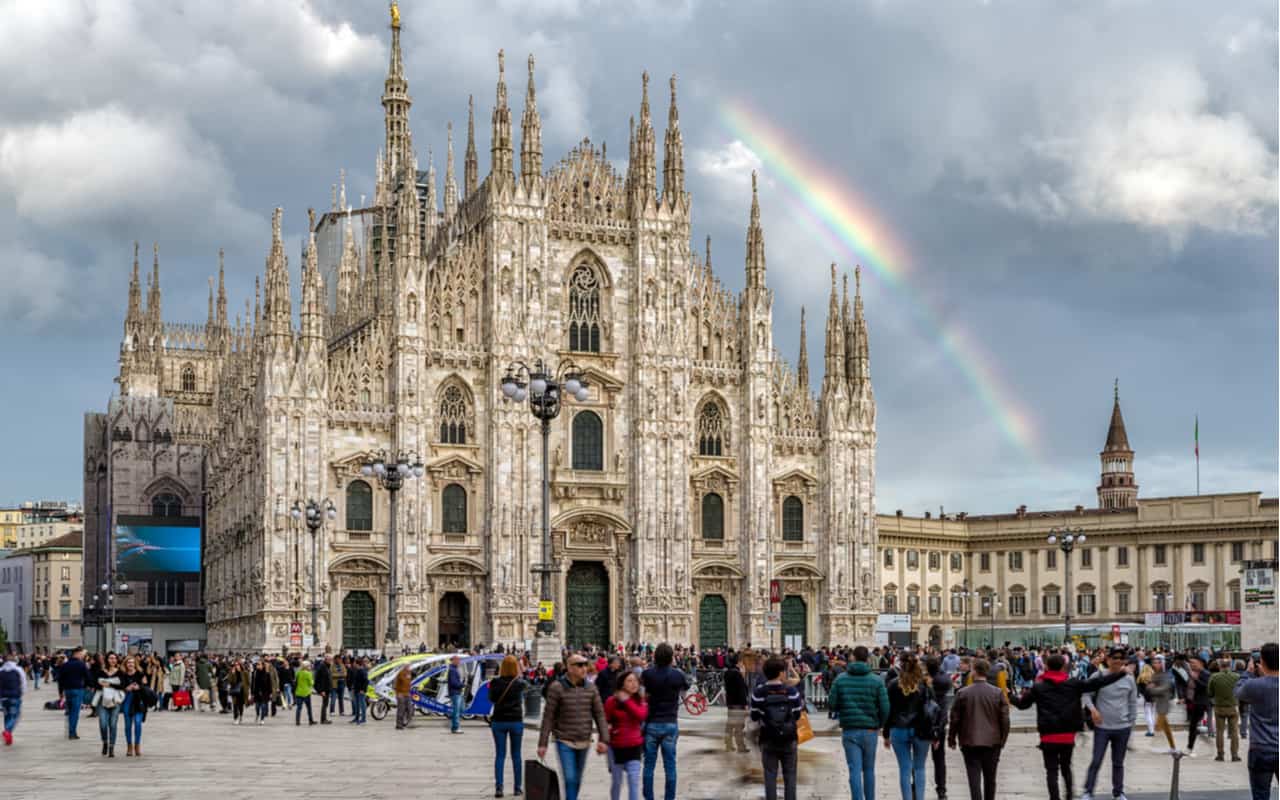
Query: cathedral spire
[
  {"x": 395, "y": 103},
  {"x": 834, "y": 348},
  {"x": 860, "y": 359},
  {"x": 450, "y": 182},
  {"x": 311, "y": 313},
  {"x": 850, "y": 336},
  {"x": 222, "y": 292},
  {"x": 470, "y": 167},
  {"x": 153, "y": 291},
  {"x": 673, "y": 157},
  {"x": 802, "y": 365},
  {"x": 133, "y": 317},
  {"x": 348, "y": 273},
  {"x": 755, "y": 241},
  {"x": 646, "y": 175},
  {"x": 500, "y": 163},
  {"x": 277, "y": 310},
  {"x": 429, "y": 201},
  {"x": 530, "y": 135}
]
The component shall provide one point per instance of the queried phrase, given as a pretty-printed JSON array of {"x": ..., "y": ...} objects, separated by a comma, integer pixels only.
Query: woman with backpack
[{"x": 910, "y": 725}]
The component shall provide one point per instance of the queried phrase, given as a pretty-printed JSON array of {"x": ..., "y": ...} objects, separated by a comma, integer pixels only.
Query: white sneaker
[
  {"x": 262, "y": 722},
  {"x": 1120, "y": 796},
  {"x": 1189, "y": 753},
  {"x": 1086, "y": 796}
]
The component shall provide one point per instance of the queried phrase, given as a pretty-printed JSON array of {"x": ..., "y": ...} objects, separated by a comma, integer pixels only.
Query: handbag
[
  {"x": 111, "y": 697},
  {"x": 540, "y": 781},
  {"x": 804, "y": 731},
  {"x": 501, "y": 697}
]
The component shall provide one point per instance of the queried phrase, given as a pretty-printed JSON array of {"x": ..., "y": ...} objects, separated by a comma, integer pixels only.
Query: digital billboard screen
[{"x": 157, "y": 546}]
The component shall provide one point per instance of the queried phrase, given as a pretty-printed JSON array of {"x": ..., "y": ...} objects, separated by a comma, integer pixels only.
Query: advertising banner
[
  {"x": 157, "y": 546},
  {"x": 893, "y": 623},
  {"x": 1260, "y": 586}
]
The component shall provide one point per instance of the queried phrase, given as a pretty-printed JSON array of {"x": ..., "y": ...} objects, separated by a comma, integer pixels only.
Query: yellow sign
[{"x": 546, "y": 610}]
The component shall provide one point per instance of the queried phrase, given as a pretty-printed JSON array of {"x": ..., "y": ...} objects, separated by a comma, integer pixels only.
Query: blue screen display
[{"x": 142, "y": 549}]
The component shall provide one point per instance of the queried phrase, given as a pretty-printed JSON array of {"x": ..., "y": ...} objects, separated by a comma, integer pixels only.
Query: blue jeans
[
  {"x": 12, "y": 708},
  {"x": 337, "y": 698},
  {"x": 501, "y": 732},
  {"x": 455, "y": 711},
  {"x": 73, "y": 698},
  {"x": 1263, "y": 766},
  {"x": 261, "y": 710},
  {"x": 1119, "y": 741},
  {"x": 912, "y": 754},
  {"x": 299, "y": 704},
  {"x": 287, "y": 692},
  {"x": 628, "y": 771},
  {"x": 860, "y": 755},
  {"x": 572, "y": 763},
  {"x": 359, "y": 705},
  {"x": 660, "y": 735},
  {"x": 108, "y": 719}
]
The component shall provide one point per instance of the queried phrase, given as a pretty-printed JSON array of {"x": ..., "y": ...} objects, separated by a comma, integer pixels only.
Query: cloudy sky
[{"x": 1045, "y": 197}]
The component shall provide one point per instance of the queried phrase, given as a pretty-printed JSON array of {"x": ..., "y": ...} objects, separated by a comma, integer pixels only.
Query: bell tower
[{"x": 1117, "y": 488}]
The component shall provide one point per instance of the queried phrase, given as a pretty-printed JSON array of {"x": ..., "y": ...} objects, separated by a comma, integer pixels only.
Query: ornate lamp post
[
  {"x": 1160, "y": 601},
  {"x": 315, "y": 515},
  {"x": 392, "y": 477},
  {"x": 105, "y": 600},
  {"x": 544, "y": 387},
  {"x": 991, "y": 603},
  {"x": 1066, "y": 541},
  {"x": 967, "y": 596}
]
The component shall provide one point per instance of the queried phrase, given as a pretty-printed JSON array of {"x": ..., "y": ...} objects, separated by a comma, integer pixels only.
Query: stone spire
[
  {"x": 429, "y": 201},
  {"x": 673, "y": 157},
  {"x": 1117, "y": 488},
  {"x": 450, "y": 182},
  {"x": 755, "y": 241},
  {"x": 277, "y": 309},
  {"x": 530, "y": 134},
  {"x": 153, "y": 294},
  {"x": 311, "y": 313},
  {"x": 208, "y": 322},
  {"x": 348, "y": 273},
  {"x": 395, "y": 102},
  {"x": 222, "y": 292},
  {"x": 500, "y": 158},
  {"x": 470, "y": 167},
  {"x": 646, "y": 168},
  {"x": 834, "y": 348},
  {"x": 133, "y": 317},
  {"x": 802, "y": 365},
  {"x": 846, "y": 324},
  {"x": 859, "y": 360}
]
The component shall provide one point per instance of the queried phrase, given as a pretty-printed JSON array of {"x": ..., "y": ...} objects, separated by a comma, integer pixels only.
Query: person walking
[
  {"x": 1113, "y": 709},
  {"x": 457, "y": 693},
  {"x": 1059, "y": 717},
  {"x": 663, "y": 685},
  {"x": 13, "y": 685},
  {"x": 404, "y": 708},
  {"x": 506, "y": 721},
  {"x": 338, "y": 697},
  {"x": 572, "y": 707},
  {"x": 626, "y": 711},
  {"x": 940, "y": 684},
  {"x": 979, "y": 722},
  {"x": 777, "y": 705},
  {"x": 1160, "y": 689},
  {"x": 324, "y": 686},
  {"x": 239, "y": 690},
  {"x": 263, "y": 685},
  {"x": 73, "y": 676},
  {"x": 907, "y": 700},
  {"x": 288, "y": 674},
  {"x": 1260, "y": 688},
  {"x": 861, "y": 704},
  {"x": 304, "y": 683},
  {"x": 137, "y": 698},
  {"x": 737, "y": 695},
  {"x": 1226, "y": 714},
  {"x": 177, "y": 674},
  {"x": 358, "y": 681},
  {"x": 204, "y": 684},
  {"x": 1196, "y": 695},
  {"x": 109, "y": 697}
]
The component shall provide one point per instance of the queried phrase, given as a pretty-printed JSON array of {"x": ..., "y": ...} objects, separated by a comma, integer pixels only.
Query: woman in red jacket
[{"x": 626, "y": 712}]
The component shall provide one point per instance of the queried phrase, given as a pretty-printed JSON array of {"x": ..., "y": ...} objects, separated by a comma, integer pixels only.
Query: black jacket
[
  {"x": 507, "y": 696},
  {"x": 1057, "y": 700},
  {"x": 904, "y": 710},
  {"x": 73, "y": 675},
  {"x": 262, "y": 686},
  {"x": 1197, "y": 691},
  {"x": 324, "y": 679},
  {"x": 605, "y": 682},
  {"x": 358, "y": 680},
  {"x": 736, "y": 693}
]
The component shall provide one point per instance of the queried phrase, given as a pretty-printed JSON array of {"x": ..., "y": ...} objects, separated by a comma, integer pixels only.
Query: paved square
[{"x": 192, "y": 754}]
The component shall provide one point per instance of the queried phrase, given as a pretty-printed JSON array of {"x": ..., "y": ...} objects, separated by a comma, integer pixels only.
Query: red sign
[
  {"x": 295, "y": 634},
  {"x": 295, "y": 627},
  {"x": 1115, "y": 634},
  {"x": 775, "y": 592}
]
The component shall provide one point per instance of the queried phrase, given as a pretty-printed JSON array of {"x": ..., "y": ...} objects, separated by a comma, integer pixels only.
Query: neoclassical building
[{"x": 700, "y": 469}]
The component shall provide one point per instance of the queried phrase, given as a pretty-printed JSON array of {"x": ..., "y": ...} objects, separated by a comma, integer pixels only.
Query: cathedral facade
[{"x": 700, "y": 473}]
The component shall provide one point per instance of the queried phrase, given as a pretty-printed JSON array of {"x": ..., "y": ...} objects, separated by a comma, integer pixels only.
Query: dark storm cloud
[{"x": 1089, "y": 192}]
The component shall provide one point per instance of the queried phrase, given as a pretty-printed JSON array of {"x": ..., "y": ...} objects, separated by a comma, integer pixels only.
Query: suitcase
[
  {"x": 182, "y": 699},
  {"x": 540, "y": 781}
]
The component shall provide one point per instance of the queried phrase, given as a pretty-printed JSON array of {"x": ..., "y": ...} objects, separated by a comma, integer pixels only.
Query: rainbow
[{"x": 850, "y": 223}]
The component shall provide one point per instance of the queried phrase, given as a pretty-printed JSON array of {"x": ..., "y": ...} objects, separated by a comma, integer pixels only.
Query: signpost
[
  {"x": 774, "y": 619},
  {"x": 295, "y": 635},
  {"x": 546, "y": 610},
  {"x": 1259, "y": 622}
]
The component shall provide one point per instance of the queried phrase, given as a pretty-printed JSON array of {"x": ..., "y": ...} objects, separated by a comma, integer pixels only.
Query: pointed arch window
[
  {"x": 712, "y": 430},
  {"x": 713, "y": 517},
  {"x": 793, "y": 519},
  {"x": 455, "y": 415},
  {"x": 166, "y": 505},
  {"x": 588, "y": 441},
  {"x": 454, "y": 502},
  {"x": 584, "y": 310},
  {"x": 359, "y": 506},
  {"x": 188, "y": 378}
]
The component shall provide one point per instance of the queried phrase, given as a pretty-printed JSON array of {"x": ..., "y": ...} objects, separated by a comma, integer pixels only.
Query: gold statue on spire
[{"x": 395, "y": 14}]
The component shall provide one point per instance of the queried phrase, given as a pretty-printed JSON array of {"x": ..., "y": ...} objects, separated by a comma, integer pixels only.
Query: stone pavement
[{"x": 192, "y": 754}]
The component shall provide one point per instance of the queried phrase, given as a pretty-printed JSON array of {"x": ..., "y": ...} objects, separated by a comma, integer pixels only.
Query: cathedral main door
[
  {"x": 794, "y": 614},
  {"x": 357, "y": 621},
  {"x": 587, "y": 604},
  {"x": 455, "y": 621},
  {"x": 713, "y": 622}
]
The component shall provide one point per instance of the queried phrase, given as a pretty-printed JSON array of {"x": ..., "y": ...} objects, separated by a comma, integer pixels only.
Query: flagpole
[{"x": 1197, "y": 455}]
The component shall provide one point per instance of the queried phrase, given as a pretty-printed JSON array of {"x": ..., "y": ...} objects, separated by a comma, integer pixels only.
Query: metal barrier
[{"x": 815, "y": 692}]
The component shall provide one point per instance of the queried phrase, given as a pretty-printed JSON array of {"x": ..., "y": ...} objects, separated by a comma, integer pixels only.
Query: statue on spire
[{"x": 395, "y": 14}]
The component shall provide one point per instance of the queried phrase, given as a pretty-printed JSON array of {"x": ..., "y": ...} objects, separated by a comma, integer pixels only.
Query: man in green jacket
[
  {"x": 302, "y": 693},
  {"x": 1226, "y": 713},
  {"x": 861, "y": 703}
]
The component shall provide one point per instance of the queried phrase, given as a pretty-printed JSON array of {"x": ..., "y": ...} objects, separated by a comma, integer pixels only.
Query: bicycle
[{"x": 696, "y": 701}]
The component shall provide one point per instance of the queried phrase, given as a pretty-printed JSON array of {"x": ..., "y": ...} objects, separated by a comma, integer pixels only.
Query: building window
[
  {"x": 913, "y": 559},
  {"x": 1051, "y": 604},
  {"x": 166, "y": 505},
  {"x": 935, "y": 561},
  {"x": 454, "y": 501},
  {"x": 1086, "y": 602},
  {"x": 888, "y": 558},
  {"x": 1197, "y": 554},
  {"x": 1050, "y": 559},
  {"x": 188, "y": 379},
  {"x": 66, "y": 590},
  {"x": 588, "y": 441},
  {"x": 66, "y": 573},
  {"x": 986, "y": 606},
  {"x": 935, "y": 604},
  {"x": 584, "y": 310},
  {"x": 793, "y": 519},
  {"x": 1161, "y": 555},
  {"x": 166, "y": 593},
  {"x": 1122, "y": 602},
  {"x": 957, "y": 603},
  {"x": 1015, "y": 560},
  {"x": 890, "y": 604},
  {"x": 64, "y": 609},
  {"x": 1122, "y": 556},
  {"x": 64, "y": 630},
  {"x": 1086, "y": 558},
  {"x": 913, "y": 602},
  {"x": 712, "y": 517},
  {"x": 359, "y": 506},
  {"x": 984, "y": 562},
  {"x": 1198, "y": 596},
  {"x": 1160, "y": 596},
  {"x": 712, "y": 430},
  {"x": 455, "y": 415},
  {"x": 1237, "y": 551},
  {"x": 1018, "y": 604},
  {"x": 1233, "y": 595},
  {"x": 957, "y": 562}
]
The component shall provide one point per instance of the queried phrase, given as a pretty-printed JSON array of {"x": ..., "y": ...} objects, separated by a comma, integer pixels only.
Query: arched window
[
  {"x": 584, "y": 310},
  {"x": 359, "y": 506},
  {"x": 455, "y": 509},
  {"x": 166, "y": 505},
  {"x": 455, "y": 415},
  {"x": 712, "y": 517},
  {"x": 188, "y": 378},
  {"x": 712, "y": 430},
  {"x": 588, "y": 441},
  {"x": 792, "y": 519}
]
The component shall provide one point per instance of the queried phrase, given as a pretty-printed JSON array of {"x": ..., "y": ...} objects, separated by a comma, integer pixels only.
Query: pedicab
[
  {"x": 382, "y": 678},
  {"x": 429, "y": 692}
]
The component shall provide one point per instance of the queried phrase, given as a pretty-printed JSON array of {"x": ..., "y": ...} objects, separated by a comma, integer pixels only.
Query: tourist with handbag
[
  {"x": 138, "y": 697},
  {"x": 107, "y": 701},
  {"x": 626, "y": 711},
  {"x": 506, "y": 721}
]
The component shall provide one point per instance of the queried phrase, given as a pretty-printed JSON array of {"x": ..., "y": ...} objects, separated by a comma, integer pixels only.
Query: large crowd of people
[{"x": 625, "y": 701}]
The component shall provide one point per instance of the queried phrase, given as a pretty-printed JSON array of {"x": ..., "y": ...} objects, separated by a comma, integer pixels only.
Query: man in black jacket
[
  {"x": 73, "y": 676},
  {"x": 324, "y": 685},
  {"x": 940, "y": 682},
  {"x": 358, "y": 683}
]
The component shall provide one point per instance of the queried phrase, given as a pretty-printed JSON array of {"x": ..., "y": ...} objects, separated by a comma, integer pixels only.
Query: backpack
[
  {"x": 930, "y": 722},
  {"x": 778, "y": 723},
  {"x": 1027, "y": 669}
]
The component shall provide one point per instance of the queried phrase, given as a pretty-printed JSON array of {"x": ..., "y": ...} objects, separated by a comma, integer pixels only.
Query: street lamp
[
  {"x": 1066, "y": 540},
  {"x": 391, "y": 477},
  {"x": 108, "y": 592},
  {"x": 315, "y": 515},
  {"x": 543, "y": 387},
  {"x": 1160, "y": 601},
  {"x": 991, "y": 603},
  {"x": 967, "y": 596}
]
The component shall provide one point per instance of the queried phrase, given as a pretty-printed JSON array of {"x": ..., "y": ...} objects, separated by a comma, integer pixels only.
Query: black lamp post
[
  {"x": 392, "y": 477},
  {"x": 543, "y": 387},
  {"x": 967, "y": 596},
  {"x": 1066, "y": 540},
  {"x": 105, "y": 601},
  {"x": 315, "y": 515},
  {"x": 991, "y": 603}
]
